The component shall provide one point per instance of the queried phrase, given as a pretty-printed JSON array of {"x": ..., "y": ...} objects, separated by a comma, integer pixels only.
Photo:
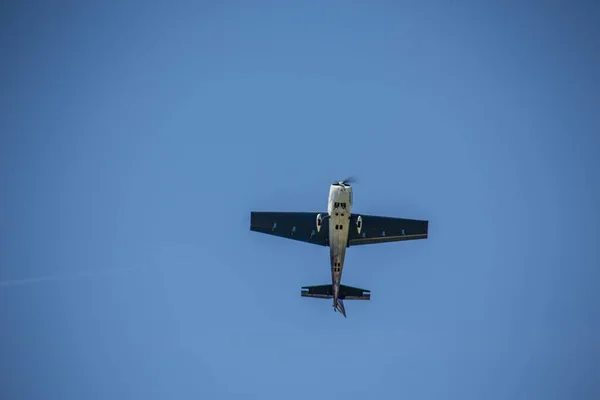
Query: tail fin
[{"x": 340, "y": 307}]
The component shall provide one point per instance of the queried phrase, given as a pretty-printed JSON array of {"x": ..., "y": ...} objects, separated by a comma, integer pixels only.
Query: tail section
[
  {"x": 340, "y": 307},
  {"x": 345, "y": 293}
]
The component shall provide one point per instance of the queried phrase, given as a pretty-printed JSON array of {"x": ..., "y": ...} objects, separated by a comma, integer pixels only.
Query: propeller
[{"x": 346, "y": 181}]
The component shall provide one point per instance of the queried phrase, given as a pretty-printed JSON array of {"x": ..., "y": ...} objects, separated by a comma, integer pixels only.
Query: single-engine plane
[{"x": 338, "y": 228}]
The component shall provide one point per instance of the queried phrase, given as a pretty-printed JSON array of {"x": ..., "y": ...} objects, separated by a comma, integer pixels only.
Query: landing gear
[{"x": 320, "y": 220}]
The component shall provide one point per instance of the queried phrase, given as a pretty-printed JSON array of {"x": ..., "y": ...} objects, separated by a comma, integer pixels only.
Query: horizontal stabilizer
[{"x": 345, "y": 293}]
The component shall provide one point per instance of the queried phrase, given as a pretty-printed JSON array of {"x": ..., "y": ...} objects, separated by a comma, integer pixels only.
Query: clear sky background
[{"x": 135, "y": 140}]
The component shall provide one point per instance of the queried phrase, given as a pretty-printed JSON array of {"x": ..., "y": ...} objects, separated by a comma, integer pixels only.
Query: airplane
[{"x": 338, "y": 229}]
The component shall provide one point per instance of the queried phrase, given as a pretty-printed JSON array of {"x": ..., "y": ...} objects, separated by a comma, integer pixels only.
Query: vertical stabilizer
[{"x": 340, "y": 307}]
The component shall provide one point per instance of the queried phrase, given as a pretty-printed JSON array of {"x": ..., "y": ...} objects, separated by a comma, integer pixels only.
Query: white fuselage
[{"x": 339, "y": 209}]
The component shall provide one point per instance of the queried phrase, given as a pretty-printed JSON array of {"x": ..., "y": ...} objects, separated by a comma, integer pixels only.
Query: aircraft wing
[
  {"x": 375, "y": 229},
  {"x": 301, "y": 226}
]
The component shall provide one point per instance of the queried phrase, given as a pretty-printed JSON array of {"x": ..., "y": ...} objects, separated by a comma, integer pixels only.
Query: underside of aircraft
[{"x": 337, "y": 228}]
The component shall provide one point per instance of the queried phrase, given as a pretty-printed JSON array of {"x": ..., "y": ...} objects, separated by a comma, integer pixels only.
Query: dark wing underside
[
  {"x": 301, "y": 226},
  {"x": 377, "y": 229}
]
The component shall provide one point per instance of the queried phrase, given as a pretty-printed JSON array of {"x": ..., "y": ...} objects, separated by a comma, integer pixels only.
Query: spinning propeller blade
[{"x": 346, "y": 182}]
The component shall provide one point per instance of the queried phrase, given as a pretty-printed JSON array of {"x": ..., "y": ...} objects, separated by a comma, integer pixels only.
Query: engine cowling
[
  {"x": 319, "y": 222},
  {"x": 359, "y": 224}
]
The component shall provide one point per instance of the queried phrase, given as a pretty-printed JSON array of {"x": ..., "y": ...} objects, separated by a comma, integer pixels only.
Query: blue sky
[{"x": 136, "y": 139}]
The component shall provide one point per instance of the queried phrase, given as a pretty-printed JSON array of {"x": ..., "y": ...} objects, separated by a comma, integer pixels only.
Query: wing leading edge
[
  {"x": 301, "y": 226},
  {"x": 376, "y": 229}
]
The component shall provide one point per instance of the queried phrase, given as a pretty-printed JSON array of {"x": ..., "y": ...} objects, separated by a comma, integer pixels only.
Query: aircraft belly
[
  {"x": 339, "y": 209},
  {"x": 338, "y": 242}
]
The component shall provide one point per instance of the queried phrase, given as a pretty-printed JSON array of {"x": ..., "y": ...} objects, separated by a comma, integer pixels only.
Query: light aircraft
[{"x": 339, "y": 229}]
